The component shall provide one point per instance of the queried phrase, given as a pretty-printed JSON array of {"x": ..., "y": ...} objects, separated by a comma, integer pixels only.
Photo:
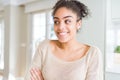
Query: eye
[
  {"x": 56, "y": 22},
  {"x": 67, "y": 21}
]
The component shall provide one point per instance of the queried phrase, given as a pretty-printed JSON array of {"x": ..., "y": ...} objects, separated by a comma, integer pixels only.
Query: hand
[{"x": 36, "y": 74}]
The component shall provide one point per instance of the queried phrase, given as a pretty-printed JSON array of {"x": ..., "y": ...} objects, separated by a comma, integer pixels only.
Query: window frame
[
  {"x": 2, "y": 33},
  {"x": 30, "y": 31},
  {"x": 110, "y": 65}
]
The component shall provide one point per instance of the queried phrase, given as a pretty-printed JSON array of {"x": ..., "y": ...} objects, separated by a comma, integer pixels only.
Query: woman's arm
[
  {"x": 36, "y": 74},
  {"x": 95, "y": 67}
]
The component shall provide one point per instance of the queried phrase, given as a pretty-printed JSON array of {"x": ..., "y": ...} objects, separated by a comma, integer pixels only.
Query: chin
[{"x": 63, "y": 40}]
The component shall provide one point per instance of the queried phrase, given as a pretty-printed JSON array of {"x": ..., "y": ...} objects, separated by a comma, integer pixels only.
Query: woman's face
[{"x": 65, "y": 24}]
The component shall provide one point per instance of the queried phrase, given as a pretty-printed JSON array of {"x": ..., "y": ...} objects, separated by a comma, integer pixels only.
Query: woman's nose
[{"x": 61, "y": 26}]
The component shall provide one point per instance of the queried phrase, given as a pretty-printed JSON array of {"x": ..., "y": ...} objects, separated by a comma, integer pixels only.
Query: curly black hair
[{"x": 76, "y": 6}]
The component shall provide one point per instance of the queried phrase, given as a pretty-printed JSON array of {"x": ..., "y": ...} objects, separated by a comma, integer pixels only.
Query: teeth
[{"x": 62, "y": 33}]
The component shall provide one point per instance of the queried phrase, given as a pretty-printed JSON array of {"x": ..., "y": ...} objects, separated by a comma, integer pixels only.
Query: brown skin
[
  {"x": 66, "y": 48},
  {"x": 66, "y": 25}
]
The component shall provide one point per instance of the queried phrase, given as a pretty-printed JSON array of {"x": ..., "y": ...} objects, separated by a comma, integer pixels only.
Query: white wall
[
  {"x": 112, "y": 76},
  {"x": 93, "y": 28},
  {"x": 115, "y": 7}
]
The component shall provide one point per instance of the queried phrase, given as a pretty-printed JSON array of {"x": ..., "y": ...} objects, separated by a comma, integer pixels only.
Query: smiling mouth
[{"x": 62, "y": 33}]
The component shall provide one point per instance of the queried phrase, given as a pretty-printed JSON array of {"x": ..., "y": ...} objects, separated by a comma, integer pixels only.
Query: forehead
[{"x": 63, "y": 12}]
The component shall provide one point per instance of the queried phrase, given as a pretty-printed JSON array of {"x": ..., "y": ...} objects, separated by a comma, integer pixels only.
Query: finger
[
  {"x": 31, "y": 78},
  {"x": 38, "y": 73},
  {"x": 33, "y": 74}
]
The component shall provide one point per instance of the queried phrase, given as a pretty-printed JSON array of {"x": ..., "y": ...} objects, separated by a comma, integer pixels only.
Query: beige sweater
[{"x": 88, "y": 67}]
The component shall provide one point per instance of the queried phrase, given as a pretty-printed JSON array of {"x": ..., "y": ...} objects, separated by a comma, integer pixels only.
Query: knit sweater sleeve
[
  {"x": 95, "y": 67},
  {"x": 37, "y": 60}
]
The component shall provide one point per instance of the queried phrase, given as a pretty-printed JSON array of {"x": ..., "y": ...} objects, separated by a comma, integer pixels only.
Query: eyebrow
[{"x": 63, "y": 17}]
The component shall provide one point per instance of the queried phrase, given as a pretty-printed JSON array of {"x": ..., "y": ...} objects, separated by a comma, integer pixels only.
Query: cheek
[
  {"x": 73, "y": 28},
  {"x": 55, "y": 29}
]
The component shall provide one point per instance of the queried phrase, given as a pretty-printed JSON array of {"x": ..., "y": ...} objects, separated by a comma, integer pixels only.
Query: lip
[{"x": 62, "y": 34}]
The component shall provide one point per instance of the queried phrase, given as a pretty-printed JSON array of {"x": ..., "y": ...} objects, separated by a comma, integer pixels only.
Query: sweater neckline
[{"x": 63, "y": 61}]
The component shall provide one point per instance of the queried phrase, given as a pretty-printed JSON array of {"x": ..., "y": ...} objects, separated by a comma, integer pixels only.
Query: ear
[{"x": 79, "y": 24}]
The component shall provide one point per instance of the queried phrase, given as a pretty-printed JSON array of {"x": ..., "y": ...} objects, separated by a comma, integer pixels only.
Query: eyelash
[
  {"x": 56, "y": 22},
  {"x": 66, "y": 22}
]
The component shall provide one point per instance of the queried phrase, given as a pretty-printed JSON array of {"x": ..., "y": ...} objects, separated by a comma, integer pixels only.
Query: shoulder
[
  {"x": 94, "y": 56},
  {"x": 94, "y": 52},
  {"x": 46, "y": 44},
  {"x": 95, "y": 49},
  {"x": 43, "y": 43}
]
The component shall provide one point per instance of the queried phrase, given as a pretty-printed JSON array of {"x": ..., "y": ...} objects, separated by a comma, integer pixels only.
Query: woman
[{"x": 66, "y": 58}]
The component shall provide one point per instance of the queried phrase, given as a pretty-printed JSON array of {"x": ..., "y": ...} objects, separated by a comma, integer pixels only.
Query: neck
[{"x": 68, "y": 45}]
